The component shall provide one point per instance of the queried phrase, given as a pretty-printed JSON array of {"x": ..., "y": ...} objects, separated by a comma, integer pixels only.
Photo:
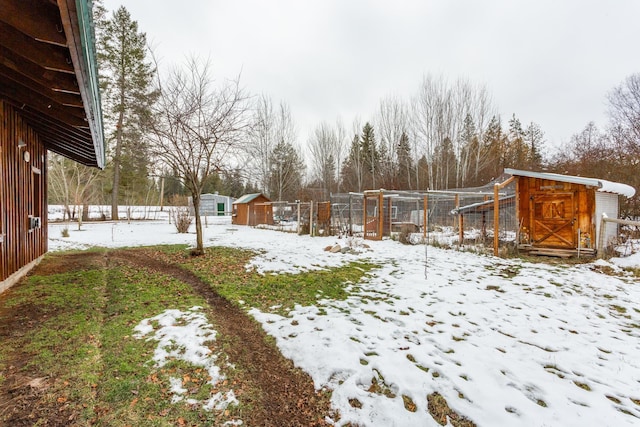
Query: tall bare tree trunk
[{"x": 196, "y": 208}]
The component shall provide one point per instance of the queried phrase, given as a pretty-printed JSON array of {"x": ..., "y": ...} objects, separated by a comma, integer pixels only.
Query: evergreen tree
[
  {"x": 232, "y": 184},
  {"x": 517, "y": 151},
  {"x": 353, "y": 168},
  {"x": 287, "y": 168},
  {"x": 422, "y": 173},
  {"x": 534, "y": 139},
  {"x": 405, "y": 163},
  {"x": 445, "y": 159},
  {"x": 126, "y": 81},
  {"x": 212, "y": 184},
  {"x": 495, "y": 146},
  {"x": 469, "y": 147},
  {"x": 371, "y": 156}
]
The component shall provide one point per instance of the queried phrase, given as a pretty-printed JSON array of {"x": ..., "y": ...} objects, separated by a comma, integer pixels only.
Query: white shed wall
[
  {"x": 606, "y": 203},
  {"x": 209, "y": 204}
]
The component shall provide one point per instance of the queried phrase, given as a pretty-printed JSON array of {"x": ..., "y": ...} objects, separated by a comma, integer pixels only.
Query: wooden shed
[
  {"x": 562, "y": 212},
  {"x": 49, "y": 101},
  {"x": 252, "y": 209}
]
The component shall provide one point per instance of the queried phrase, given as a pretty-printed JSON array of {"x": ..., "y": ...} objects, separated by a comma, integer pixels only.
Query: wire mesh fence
[
  {"x": 452, "y": 217},
  {"x": 464, "y": 217}
]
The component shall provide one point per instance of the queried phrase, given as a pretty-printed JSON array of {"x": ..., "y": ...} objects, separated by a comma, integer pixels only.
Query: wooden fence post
[{"x": 496, "y": 213}]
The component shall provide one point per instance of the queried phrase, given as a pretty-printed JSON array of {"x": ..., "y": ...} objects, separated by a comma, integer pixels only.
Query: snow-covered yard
[{"x": 506, "y": 342}]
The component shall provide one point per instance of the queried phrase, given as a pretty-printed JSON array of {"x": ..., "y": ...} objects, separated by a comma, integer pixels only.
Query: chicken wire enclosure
[
  {"x": 452, "y": 217},
  {"x": 347, "y": 213}
]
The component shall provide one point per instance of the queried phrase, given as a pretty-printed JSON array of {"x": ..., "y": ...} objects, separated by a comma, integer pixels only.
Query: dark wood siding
[
  {"x": 253, "y": 212},
  {"x": 23, "y": 189}
]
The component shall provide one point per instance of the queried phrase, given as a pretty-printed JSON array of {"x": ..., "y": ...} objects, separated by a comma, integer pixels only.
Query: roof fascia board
[
  {"x": 555, "y": 177},
  {"x": 77, "y": 23}
]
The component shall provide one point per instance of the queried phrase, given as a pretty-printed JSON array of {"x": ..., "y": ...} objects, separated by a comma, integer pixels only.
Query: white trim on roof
[
  {"x": 600, "y": 184},
  {"x": 246, "y": 198}
]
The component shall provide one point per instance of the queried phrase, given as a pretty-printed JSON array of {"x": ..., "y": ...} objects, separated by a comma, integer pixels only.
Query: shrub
[
  {"x": 405, "y": 235},
  {"x": 65, "y": 232},
  {"x": 182, "y": 219}
]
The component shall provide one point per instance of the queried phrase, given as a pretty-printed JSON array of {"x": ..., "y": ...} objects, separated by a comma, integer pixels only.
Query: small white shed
[{"x": 214, "y": 204}]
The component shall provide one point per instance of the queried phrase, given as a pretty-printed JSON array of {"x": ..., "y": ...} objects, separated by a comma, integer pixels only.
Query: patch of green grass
[
  {"x": 613, "y": 399},
  {"x": 224, "y": 269},
  {"x": 619, "y": 309},
  {"x": 409, "y": 404},
  {"x": 379, "y": 386},
  {"x": 422, "y": 368},
  {"x": 582, "y": 385},
  {"x": 83, "y": 343}
]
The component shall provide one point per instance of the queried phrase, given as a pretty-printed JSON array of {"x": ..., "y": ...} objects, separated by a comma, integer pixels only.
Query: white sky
[{"x": 551, "y": 62}]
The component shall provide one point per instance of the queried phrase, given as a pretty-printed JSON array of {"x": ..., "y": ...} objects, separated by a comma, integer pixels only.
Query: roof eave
[
  {"x": 600, "y": 184},
  {"x": 77, "y": 21}
]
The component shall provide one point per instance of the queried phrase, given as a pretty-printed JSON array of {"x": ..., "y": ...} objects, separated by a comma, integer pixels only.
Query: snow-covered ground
[{"x": 504, "y": 341}]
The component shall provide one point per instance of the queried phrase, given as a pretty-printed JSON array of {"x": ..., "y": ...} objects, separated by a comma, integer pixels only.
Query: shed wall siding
[
  {"x": 257, "y": 211},
  {"x": 606, "y": 203},
  {"x": 546, "y": 191}
]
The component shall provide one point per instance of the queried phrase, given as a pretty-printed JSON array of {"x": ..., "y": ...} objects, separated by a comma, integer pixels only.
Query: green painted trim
[{"x": 90, "y": 71}]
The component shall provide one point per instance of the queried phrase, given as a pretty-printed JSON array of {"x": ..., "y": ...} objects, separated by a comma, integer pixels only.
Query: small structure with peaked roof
[
  {"x": 252, "y": 209},
  {"x": 563, "y": 212}
]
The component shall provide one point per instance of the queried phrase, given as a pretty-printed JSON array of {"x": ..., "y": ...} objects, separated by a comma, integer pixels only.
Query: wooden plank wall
[
  {"x": 20, "y": 182},
  {"x": 584, "y": 199}
]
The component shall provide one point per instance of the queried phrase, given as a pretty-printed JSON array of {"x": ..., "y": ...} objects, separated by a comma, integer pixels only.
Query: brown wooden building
[
  {"x": 252, "y": 209},
  {"x": 564, "y": 212},
  {"x": 49, "y": 101}
]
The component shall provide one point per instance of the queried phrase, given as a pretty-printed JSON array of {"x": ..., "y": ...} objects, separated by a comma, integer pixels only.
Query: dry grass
[{"x": 440, "y": 411}]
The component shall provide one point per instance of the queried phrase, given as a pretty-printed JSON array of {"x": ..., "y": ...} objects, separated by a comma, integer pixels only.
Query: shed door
[
  {"x": 220, "y": 209},
  {"x": 553, "y": 217}
]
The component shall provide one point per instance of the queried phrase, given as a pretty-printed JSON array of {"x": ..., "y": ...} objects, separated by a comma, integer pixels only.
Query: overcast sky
[{"x": 548, "y": 61}]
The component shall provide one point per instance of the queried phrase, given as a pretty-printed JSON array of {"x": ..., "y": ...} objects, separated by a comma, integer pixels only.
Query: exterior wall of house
[{"x": 23, "y": 195}]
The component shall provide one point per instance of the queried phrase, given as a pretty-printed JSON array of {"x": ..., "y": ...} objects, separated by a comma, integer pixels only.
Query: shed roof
[
  {"x": 482, "y": 206},
  {"x": 48, "y": 71},
  {"x": 601, "y": 184},
  {"x": 248, "y": 198}
]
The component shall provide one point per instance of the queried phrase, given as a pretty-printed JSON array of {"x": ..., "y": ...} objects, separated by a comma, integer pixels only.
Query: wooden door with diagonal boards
[{"x": 552, "y": 220}]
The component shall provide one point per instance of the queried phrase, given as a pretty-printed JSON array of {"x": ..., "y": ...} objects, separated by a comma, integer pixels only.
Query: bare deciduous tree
[
  {"x": 270, "y": 129},
  {"x": 392, "y": 123},
  {"x": 438, "y": 117},
  {"x": 262, "y": 140},
  {"x": 624, "y": 110},
  {"x": 324, "y": 149},
  {"x": 196, "y": 126},
  {"x": 71, "y": 185}
]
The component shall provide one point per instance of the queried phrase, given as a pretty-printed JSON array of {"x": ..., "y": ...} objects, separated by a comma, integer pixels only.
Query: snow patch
[{"x": 183, "y": 335}]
